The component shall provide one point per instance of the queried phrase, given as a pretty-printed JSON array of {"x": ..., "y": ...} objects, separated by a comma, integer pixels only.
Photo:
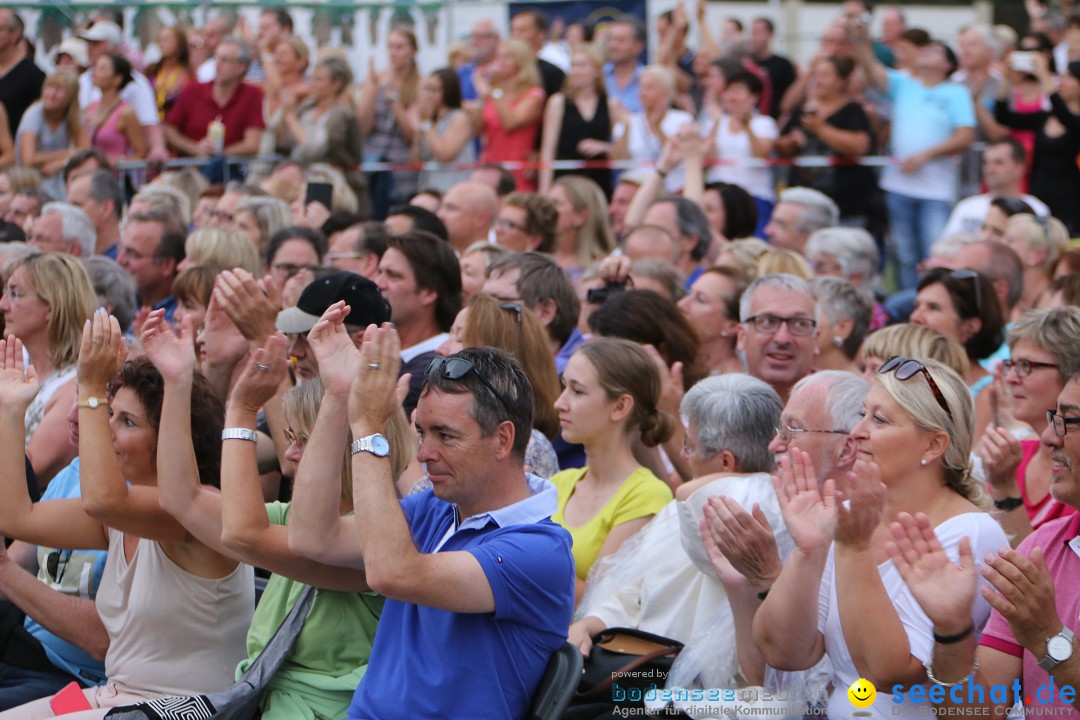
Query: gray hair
[
  {"x": 339, "y": 70},
  {"x": 853, "y": 248},
  {"x": 104, "y": 187},
  {"x": 271, "y": 214},
  {"x": 782, "y": 281},
  {"x": 167, "y": 201},
  {"x": 243, "y": 50},
  {"x": 840, "y": 300},
  {"x": 820, "y": 210},
  {"x": 692, "y": 222},
  {"x": 664, "y": 273},
  {"x": 114, "y": 287},
  {"x": 986, "y": 34},
  {"x": 844, "y": 397},
  {"x": 76, "y": 226},
  {"x": 737, "y": 413}
]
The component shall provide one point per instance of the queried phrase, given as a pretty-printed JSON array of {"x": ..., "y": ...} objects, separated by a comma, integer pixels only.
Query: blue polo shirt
[
  {"x": 431, "y": 663},
  {"x": 628, "y": 95}
]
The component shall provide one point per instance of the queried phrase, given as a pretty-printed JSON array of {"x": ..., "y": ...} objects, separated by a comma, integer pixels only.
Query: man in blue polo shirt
[
  {"x": 479, "y": 581},
  {"x": 625, "y": 43}
]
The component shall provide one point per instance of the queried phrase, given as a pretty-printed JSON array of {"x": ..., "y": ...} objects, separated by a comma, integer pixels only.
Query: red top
[
  {"x": 510, "y": 145},
  {"x": 1046, "y": 509},
  {"x": 195, "y": 109}
]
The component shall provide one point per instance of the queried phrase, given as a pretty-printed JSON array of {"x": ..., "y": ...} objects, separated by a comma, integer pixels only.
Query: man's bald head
[{"x": 468, "y": 210}]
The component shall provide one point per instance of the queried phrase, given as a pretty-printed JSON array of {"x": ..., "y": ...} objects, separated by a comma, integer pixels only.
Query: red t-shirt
[{"x": 195, "y": 109}]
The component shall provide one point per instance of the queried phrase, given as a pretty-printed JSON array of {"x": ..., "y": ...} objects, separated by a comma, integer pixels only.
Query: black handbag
[{"x": 633, "y": 660}]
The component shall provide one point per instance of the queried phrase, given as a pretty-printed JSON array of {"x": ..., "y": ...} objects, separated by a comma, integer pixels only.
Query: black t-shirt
[
  {"x": 850, "y": 187},
  {"x": 782, "y": 74},
  {"x": 551, "y": 77},
  {"x": 19, "y": 88}
]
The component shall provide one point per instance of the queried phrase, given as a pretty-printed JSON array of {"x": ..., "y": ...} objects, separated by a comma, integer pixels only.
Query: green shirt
[{"x": 330, "y": 656}]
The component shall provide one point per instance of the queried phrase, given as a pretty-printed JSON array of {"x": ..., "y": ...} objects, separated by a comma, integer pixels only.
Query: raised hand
[
  {"x": 377, "y": 391},
  {"x": 945, "y": 591},
  {"x": 857, "y": 522},
  {"x": 672, "y": 387},
  {"x": 18, "y": 384},
  {"x": 1001, "y": 455},
  {"x": 727, "y": 574},
  {"x": 337, "y": 355},
  {"x": 173, "y": 355},
  {"x": 745, "y": 540},
  {"x": 809, "y": 513},
  {"x": 247, "y": 303},
  {"x": 102, "y": 353},
  {"x": 263, "y": 375}
]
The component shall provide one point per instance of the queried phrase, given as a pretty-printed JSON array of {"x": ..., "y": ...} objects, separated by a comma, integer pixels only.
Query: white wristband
[{"x": 239, "y": 434}]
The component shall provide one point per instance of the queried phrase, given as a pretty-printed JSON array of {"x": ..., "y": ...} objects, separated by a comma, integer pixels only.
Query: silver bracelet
[
  {"x": 961, "y": 681},
  {"x": 240, "y": 434}
]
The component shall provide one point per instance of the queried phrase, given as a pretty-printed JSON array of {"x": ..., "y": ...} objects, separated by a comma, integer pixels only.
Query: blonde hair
[
  {"x": 189, "y": 181},
  {"x": 62, "y": 283},
  {"x": 271, "y": 214},
  {"x": 299, "y": 47},
  {"x": 597, "y": 59},
  {"x": 781, "y": 260},
  {"x": 410, "y": 88},
  {"x": 595, "y": 239},
  {"x": 301, "y": 408},
  {"x": 916, "y": 341},
  {"x": 918, "y": 400},
  {"x": 528, "y": 75},
  {"x": 65, "y": 78},
  {"x": 342, "y": 196},
  {"x": 223, "y": 247},
  {"x": 745, "y": 253},
  {"x": 1047, "y": 234},
  {"x": 663, "y": 75},
  {"x": 22, "y": 178}
]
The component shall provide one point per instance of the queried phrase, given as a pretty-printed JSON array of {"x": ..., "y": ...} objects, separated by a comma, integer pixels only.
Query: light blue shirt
[{"x": 627, "y": 96}]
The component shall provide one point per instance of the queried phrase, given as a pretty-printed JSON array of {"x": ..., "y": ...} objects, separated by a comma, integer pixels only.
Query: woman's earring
[
  {"x": 923, "y": 462},
  {"x": 837, "y": 341}
]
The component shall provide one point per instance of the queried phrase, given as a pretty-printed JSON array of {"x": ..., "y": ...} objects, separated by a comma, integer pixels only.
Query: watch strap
[
  {"x": 1048, "y": 663},
  {"x": 240, "y": 434},
  {"x": 93, "y": 402}
]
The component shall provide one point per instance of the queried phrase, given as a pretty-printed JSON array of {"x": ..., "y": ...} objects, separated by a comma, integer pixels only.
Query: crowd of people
[{"x": 401, "y": 435}]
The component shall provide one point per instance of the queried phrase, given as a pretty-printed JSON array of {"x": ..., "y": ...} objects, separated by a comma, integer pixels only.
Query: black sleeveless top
[{"x": 574, "y": 129}]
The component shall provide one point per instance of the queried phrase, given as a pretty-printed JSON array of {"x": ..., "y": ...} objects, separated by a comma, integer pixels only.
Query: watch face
[
  {"x": 1059, "y": 648},
  {"x": 380, "y": 446}
]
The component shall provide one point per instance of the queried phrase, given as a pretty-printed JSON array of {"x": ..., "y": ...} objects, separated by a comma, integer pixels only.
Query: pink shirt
[
  {"x": 1046, "y": 509},
  {"x": 1064, "y": 566},
  {"x": 510, "y": 145}
]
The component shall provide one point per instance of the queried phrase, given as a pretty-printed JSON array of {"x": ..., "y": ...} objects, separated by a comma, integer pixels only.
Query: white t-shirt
[
  {"x": 968, "y": 214},
  {"x": 207, "y": 71},
  {"x": 736, "y": 146},
  {"x": 986, "y": 536},
  {"x": 643, "y": 145},
  {"x": 138, "y": 93}
]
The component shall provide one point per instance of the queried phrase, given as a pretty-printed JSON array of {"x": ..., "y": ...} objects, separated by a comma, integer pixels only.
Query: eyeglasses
[
  {"x": 514, "y": 308},
  {"x": 56, "y": 563},
  {"x": 768, "y": 324},
  {"x": 455, "y": 368},
  {"x": 15, "y": 295},
  {"x": 1060, "y": 424},
  {"x": 786, "y": 432},
  {"x": 221, "y": 215},
  {"x": 504, "y": 223},
  {"x": 134, "y": 254},
  {"x": 289, "y": 269},
  {"x": 1023, "y": 366},
  {"x": 330, "y": 257},
  {"x": 906, "y": 368}
]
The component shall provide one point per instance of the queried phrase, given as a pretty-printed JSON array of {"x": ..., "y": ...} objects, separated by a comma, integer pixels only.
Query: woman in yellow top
[{"x": 612, "y": 387}]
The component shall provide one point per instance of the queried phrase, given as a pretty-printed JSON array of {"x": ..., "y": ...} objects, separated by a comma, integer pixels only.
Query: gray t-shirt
[{"x": 48, "y": 139}]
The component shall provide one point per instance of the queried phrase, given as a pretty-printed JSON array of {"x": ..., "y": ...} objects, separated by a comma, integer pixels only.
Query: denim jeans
[
  {"x": 914, "y": 224},
  {"x": 18, "y": 685}
]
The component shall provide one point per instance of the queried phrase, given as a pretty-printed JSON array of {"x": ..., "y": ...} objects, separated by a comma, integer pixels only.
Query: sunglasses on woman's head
[{"x": 905, "y": 368}]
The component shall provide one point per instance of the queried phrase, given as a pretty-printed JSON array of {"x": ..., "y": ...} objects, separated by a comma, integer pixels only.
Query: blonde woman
[
  {"x": 285, "y": 87},
  {"x": 259, "y": 217},
  {"x": 577, "y": 121},
  {"x": 582, "y": 232},
  {"x": 1040, "y": 243},
  {"x": 46, "y": 300},
  {"x": 909, "y": 340},
  {"x": 511, "y": 107},
  {"x": 641, "y": 136},
  {"x": 221, "y": 247},
  {"x": 51, "y": 130}
]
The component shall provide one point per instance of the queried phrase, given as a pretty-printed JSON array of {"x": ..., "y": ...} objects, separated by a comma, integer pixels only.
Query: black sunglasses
[
  {"x": 974, "y": 278},
  {"x": 56, "y": 563},
  {"x": 455, "y": 368},
  {"x": 514, "y": 308},
  {"x": 906, "y": 368}
]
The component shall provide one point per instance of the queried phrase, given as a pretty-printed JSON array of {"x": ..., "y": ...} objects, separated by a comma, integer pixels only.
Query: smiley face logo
[{"x": 862, "y": 693}]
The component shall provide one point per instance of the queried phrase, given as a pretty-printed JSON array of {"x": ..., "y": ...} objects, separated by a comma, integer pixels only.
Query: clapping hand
[
  {"x": 744, "y": 540},
  {"x": 944, "y": 590},
  {"x": 809, "y": 513},
  {"x": 377, "y": 391},
  {"x": 102, "y": 353},
  {"x": 335, "y": 351},
  {"x": 1024, "y": 595},
  {"x": 18, "y": 384},
  {"x": 262, "y": 378},
  {"x": 865, "y": 493},
  {"x": 173, "y": 355}
]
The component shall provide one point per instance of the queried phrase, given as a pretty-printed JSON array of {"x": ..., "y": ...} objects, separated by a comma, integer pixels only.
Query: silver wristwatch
[
  {"x": 375, "y": 444},
  {"x": 1059, "y": 648}
]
